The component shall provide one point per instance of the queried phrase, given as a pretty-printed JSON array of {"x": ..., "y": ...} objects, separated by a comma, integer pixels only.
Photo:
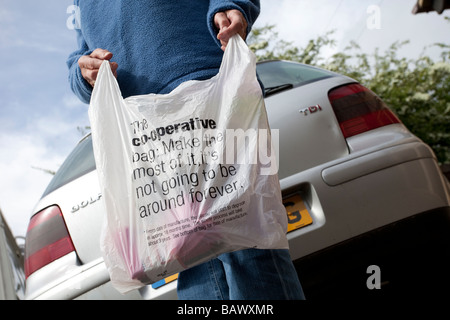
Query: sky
[{"x": 39, "y": 115}]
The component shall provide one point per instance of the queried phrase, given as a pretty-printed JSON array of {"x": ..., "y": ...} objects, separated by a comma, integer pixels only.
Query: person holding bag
[{"x": 157, "y": 45}]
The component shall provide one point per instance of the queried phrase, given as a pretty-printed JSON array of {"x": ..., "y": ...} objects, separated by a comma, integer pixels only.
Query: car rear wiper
[{"x": 272, "y": 90}]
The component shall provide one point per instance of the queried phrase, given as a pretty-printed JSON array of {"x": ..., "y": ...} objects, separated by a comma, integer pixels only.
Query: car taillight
[
  {"x": 47, "y": 239},
  {"x": 359, "y": 110}
]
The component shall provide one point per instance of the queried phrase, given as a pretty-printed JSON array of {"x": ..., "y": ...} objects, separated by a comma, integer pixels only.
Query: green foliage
[
  {"x": 417, "y": 90},
  {"x": 267, "y": 46}
]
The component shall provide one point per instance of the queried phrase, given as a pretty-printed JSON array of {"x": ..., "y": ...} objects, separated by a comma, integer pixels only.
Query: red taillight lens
[
  {"x": 47, "y": 239},
  {"x": 359, "y": 110}
]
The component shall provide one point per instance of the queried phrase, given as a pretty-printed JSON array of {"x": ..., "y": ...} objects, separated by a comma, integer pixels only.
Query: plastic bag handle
[{"x": 238, "y": 58}]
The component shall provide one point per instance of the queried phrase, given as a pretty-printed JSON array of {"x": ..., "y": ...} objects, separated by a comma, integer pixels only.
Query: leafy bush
[{"x": 417, "y": 90}]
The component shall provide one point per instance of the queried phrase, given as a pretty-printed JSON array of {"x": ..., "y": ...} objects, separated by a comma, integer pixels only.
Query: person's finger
[
  {"x": 238, "y": 25},
  {"x": 101, "y": 54},
  {"x": 232, "y": 22},
  {"x": 90, "y": 64},
  {"x": 221, "y": 21},
  {"x": 90, "y": 75},
  {"x": 87, "y": 62},
  {"x": 114, "y": 67}
]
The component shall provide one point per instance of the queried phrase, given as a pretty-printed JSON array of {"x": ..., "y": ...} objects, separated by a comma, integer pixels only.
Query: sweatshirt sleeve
[
  {"x": 78, "y": 84},
  {"x": 249, "y": 8}
]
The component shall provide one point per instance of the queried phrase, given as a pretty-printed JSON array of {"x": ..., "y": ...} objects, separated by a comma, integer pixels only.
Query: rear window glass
[
  {"x": 277, "y": 73},
  {"x": 79, "y": 162}
]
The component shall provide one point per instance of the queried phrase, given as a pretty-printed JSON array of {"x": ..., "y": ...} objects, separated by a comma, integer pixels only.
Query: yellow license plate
[
  {"x": 164, "y": 281},
  {"x": 297, "y": 213}
]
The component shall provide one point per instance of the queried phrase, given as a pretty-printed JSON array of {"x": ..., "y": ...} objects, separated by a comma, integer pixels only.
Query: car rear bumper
[
  {"x": 92, "y": 282},
  {"x": 387, "y": 185},
  {"x": 413, "y": 256}
]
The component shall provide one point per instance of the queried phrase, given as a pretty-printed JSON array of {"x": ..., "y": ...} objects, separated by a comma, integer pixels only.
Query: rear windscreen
[
  {"x": 276, "y": 73},
  {"x": 79, "y": 162}
]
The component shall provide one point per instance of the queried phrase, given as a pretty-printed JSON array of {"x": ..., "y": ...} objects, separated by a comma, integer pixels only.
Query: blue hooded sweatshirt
[{"x": 158, "y": 44}]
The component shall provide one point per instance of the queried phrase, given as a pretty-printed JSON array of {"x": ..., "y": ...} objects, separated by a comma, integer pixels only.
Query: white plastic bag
[{"x": 185, "y": 176}]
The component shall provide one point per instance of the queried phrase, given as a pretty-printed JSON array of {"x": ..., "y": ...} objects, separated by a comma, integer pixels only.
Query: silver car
[{"x": 367, "y": 205}]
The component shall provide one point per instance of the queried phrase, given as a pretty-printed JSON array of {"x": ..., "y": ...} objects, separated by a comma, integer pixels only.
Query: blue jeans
[{"x": 251, "y": 274}]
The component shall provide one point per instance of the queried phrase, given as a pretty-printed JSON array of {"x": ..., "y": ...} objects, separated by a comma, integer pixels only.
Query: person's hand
[
  {"x": 90, "y": 64},
  {"x": 229, "y": 23}
]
